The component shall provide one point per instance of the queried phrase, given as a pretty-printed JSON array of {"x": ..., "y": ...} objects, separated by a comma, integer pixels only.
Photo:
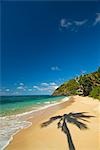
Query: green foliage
[
  {"x": 85, "y": 85},
  {"x": 95, "y": 93},
  {"x": 72, "y": 84},
  {"x": 68, "y": 88}
]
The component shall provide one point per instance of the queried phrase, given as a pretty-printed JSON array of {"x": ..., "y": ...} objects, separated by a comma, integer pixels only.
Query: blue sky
[{"x": 47, "y": 43}]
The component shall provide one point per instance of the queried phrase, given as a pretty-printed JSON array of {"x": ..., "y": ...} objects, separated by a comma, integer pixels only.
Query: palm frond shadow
[{"x": 73, "y": 118}]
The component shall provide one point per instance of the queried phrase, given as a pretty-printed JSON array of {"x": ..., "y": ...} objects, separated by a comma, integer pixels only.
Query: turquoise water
[
  {"x": 17, "y": 104},
  {"x": 15, "y": 112}
]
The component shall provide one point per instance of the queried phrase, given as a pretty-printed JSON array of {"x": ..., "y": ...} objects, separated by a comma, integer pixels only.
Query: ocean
[{"x": 16, "y": 110}]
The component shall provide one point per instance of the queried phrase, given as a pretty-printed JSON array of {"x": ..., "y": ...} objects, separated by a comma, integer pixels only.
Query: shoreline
[
  {"x": 49, "y": 104},
  {"x": 11, "y": 138},
  {"x": 29, "y": 115},
  {"x": 32, "y": 132}
]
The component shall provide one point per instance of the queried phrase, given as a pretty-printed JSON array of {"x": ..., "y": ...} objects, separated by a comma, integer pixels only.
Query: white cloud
[
  {"x": 49, "y": 88},
  {"x": 80, "y": 23},
  {"x": 55, "y": 68},
  {"x": 21, "y": 84},
  {"x": 53, "y": 84},
  {"x": 46, "y": 87},
  {"x": 71, "y": 25},
  {"x": 21, "y": 88},
  {"x": 64, "y": 23},
  {"x": 7, "y": 90},
  {"x": 97, "y": 19},
  {"x": 36, "y": 87},
  {"x": 29, "y": 90},
  {"x": 54, "y": 87},
  {"x": 39, "y": 87},
  {"x": 42, "y": 88},
  {"x": 44, "y": 84},
  {"x": 75, "y": 25}
]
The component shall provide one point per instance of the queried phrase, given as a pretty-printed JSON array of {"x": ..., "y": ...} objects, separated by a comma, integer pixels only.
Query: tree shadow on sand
[{"x": 73, "y": 118}]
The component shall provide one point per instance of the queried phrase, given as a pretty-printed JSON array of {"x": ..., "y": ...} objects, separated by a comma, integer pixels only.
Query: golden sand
[{"x": 52, "y": 138}]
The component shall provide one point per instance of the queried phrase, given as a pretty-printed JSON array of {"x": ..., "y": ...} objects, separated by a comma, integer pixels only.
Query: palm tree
[{"x": 69, "y": 118}]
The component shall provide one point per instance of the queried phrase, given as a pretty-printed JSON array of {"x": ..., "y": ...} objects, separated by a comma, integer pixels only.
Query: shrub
[{"x": 95, "y": 93}]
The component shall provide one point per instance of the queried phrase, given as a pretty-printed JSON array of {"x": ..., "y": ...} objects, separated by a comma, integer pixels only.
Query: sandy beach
[{"x": 52, "y": 138}]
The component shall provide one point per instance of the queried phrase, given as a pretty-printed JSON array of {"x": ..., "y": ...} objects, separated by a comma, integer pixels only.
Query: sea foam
[{"x": 10, "y": 125}]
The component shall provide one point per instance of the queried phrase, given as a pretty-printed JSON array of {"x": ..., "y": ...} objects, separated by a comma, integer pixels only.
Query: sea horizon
[{"x": 24, "y": 103}]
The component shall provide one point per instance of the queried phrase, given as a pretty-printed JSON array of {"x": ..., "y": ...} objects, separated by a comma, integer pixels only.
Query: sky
[{"x": 44, "y": 44}]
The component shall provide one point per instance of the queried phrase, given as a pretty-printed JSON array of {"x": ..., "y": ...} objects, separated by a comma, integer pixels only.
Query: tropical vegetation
[{"x": 85, "y": 85}]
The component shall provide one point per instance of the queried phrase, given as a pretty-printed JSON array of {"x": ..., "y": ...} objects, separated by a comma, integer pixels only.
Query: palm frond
[
  {"x": 80, "y": 115},
  {"x": 72, "y": 118},
  {"x": 83, "y": 119},
  {"x": 44, "y": 124},
  {"x": 76, "y": 122}
]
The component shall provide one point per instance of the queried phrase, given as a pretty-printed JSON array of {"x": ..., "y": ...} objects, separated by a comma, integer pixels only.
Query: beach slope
[{"x": 52, "y": 138}]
